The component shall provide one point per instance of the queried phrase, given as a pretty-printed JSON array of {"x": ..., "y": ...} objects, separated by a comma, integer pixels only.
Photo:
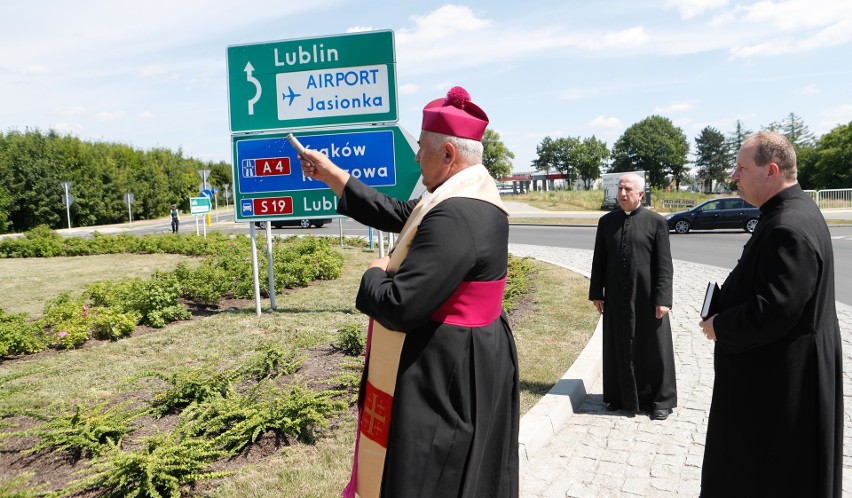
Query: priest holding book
[{"x": 776, "y": 419}]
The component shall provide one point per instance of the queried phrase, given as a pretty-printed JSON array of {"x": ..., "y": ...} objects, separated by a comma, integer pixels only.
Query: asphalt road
[{"x": 718, "y": 247}]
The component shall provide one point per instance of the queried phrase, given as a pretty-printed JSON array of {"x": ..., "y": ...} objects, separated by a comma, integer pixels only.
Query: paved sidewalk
[{"x": 572, "y": 447}]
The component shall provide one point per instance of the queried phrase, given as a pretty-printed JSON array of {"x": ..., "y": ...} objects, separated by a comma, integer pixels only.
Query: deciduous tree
[
  {"x": 654, "y": 145},
  {"x": 496, "y": 157}
]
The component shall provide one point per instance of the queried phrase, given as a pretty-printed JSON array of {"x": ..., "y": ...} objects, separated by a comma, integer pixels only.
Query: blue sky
[{"x": 152, "y": 73}]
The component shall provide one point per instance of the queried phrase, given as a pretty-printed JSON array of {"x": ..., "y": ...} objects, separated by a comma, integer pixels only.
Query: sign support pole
[
  {"x": 254, "y": 271},
  {"x": 269, "y": 268},
  {"x": 67, "y": 204}
]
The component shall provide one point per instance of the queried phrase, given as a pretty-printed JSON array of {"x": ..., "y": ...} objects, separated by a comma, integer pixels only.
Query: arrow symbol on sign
[{"x": 251, "y": 79}]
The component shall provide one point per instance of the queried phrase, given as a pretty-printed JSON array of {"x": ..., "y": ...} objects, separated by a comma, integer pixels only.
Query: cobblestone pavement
[{"x": 597, "y": 453}]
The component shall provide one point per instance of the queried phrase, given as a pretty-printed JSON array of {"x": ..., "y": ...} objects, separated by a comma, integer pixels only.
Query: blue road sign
[
  {"x": 207, "y": 193},
  {"x": 272, "y": 164},
  {"x": 268, "y": 180}
]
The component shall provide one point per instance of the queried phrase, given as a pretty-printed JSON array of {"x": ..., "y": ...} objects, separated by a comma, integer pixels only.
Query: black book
[{"x": 711, "y": 297}]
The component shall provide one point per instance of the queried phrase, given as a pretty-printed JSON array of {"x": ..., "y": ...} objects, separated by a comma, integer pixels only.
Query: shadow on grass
[{"x": 536, "y": 388}]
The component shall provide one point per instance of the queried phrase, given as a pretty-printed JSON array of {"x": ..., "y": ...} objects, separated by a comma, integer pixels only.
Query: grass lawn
[
  {"x": 551, "y": 327},
  {"x": 25, "y": 283}
]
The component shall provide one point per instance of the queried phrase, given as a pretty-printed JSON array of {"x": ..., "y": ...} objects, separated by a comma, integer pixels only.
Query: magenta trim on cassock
[{"x": 473, "y": 304}]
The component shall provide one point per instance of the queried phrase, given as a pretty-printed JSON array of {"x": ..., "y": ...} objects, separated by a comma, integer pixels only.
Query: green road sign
[
  {"x": 268, "y": 180},
  {"x": 199, "y": 205},
  {"x": 310, "y": 82}
]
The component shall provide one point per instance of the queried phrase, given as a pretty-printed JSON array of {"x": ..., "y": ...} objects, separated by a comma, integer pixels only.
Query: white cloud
[
  {"x": 795, "y": 14},
  {"x": 606, "y": 123},
  {"x": 685, "y": 105},
  {"x": 693, "y": 8},
  {"x": 359, "y": 29},
  {"x": 628, "y": 38},
  {"x": 837, "y": 34},
  {"x": 146, "y": 115}
]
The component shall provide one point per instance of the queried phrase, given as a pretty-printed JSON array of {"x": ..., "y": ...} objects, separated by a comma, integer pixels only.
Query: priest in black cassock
[
  {"x": 439, "y": 403},
  {"x": 631, "y": 285},
  {"x": 776, "y": 419}
]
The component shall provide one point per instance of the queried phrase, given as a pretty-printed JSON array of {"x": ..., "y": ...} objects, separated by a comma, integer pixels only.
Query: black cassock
[
  {"x": 455, "y": 415},
  {"x": 776, "y": 419},
  {"x": 632, "y": 273}
]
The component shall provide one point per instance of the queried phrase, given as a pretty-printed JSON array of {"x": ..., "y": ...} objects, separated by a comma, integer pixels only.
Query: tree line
[
  {"x": 33, "y": 165},
  {"x": 657, "y": 146}
]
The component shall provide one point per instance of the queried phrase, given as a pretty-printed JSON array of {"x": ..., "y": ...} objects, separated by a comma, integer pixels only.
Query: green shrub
[
  {"x": 235, "y": 420},
  {"x": 351, "y": 339},
  {"x": 110, "y": 293},
  {"x": 69, "y": 334},
  {"x": 112, "y": 324},
  {"x": 206, "y": 284},
  {"x": 65, "y": 322},
  {"x": 85, "y": 431},
  {"x": 18, "y": 335},
  {"x": 302, "y": 412},
  {"x": 518, "y": 282},
  {"x": 159, "y": 468},
  {"x": 187, "y": 387},
  {"x": 272, "y": 362}
]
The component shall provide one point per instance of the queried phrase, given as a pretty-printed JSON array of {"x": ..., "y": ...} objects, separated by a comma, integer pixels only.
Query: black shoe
[
  {"x": 612, "y": 407},
  {"x": 660, "y": 414}
]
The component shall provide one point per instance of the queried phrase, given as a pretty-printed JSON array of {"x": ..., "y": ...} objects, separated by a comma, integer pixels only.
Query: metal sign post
[
  {"x": 199, "y": 206},
  {"x": 269, "y": 269},
  {"x": 68, "y": 200},
  {"x": 129, "y": 199},
  {"x": 253, "y": 236}
]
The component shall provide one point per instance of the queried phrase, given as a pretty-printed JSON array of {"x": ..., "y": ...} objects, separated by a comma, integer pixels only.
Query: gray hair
[
  {"x": 771, "y": 147},
  {"x": 637, "y": 181},
  {"x": 470, "y": 151}
]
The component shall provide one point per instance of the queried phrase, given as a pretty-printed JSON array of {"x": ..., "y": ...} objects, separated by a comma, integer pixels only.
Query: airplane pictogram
[{"x": 292, "y": 95}]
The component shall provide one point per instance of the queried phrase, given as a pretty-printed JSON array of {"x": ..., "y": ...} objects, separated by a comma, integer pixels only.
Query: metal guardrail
[{"x": 834, "y": 198}]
